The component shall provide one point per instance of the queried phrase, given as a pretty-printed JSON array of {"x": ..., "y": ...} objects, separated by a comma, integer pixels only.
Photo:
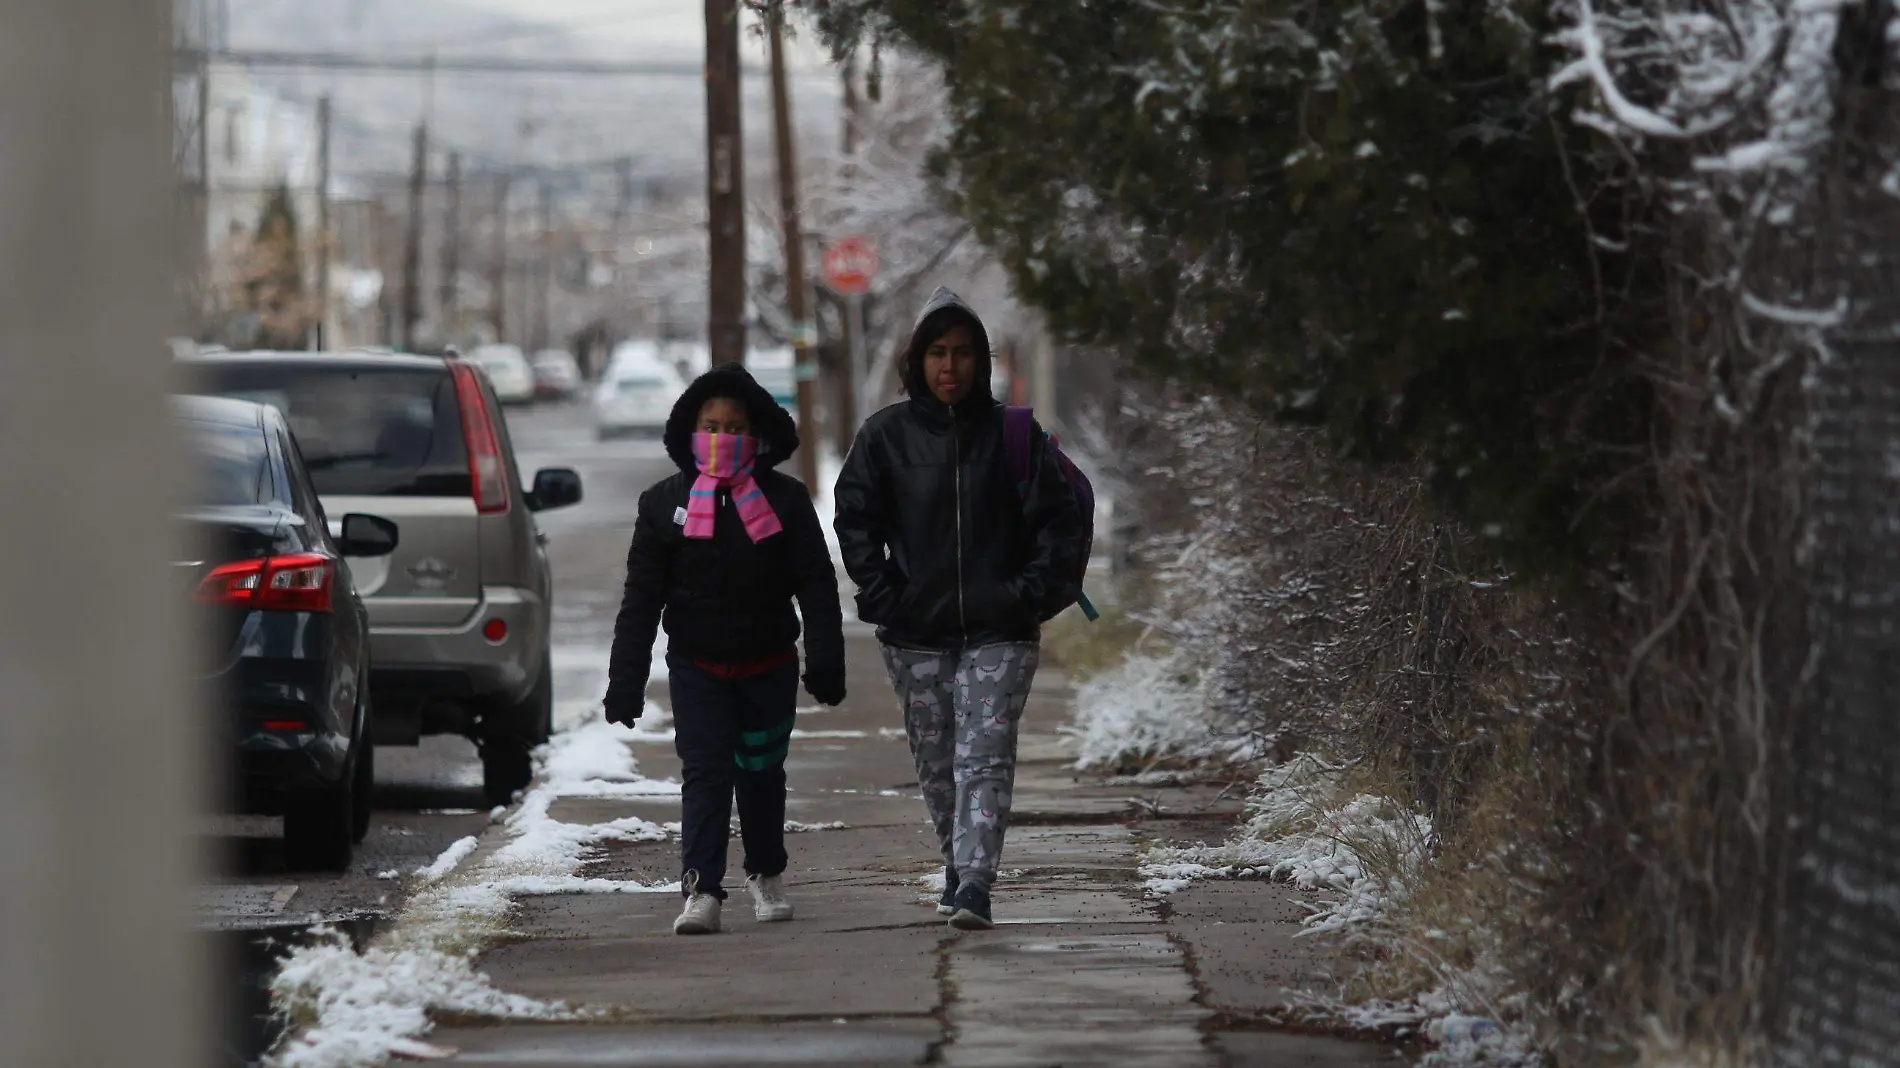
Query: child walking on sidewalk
[
  {"x": 958, "y": 563},
  {"x": 720, "y": 551}
]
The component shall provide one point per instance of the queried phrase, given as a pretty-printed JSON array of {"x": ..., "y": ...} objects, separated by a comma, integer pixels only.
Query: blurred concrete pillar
[{"x": 99, "y": 753}]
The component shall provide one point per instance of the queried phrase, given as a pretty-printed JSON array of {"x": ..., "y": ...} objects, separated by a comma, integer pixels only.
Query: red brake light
[
  {"x": 485, "y": 467},
  {"x": 298, "y": 583},
  {"x": 495, "y": 630}
]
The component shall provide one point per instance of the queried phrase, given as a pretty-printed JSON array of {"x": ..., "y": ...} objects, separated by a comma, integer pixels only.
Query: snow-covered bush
[
  {"x": 1149, "y": 709},
  {"x": 1309, "y": 826}
]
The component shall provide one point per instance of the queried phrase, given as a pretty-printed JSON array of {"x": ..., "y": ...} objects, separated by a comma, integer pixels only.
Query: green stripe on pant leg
[
  {"x": 770, "y": 736},
  {"x": 763, "y": 761}
]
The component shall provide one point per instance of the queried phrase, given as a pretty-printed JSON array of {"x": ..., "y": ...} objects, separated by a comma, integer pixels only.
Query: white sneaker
[
  {"x": 701, "y": 914},
  {"x": 768, "y": 898}
]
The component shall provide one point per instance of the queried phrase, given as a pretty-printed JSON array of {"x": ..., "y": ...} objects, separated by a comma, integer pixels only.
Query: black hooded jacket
[
  {"x": 726, "y": 600},
  {"x": 946, "y": 550}
]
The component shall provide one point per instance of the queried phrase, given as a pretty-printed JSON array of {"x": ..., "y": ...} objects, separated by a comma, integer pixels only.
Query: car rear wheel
[
  {"x": 509, "y": 735},
  {"x": 319, "y": 827}
]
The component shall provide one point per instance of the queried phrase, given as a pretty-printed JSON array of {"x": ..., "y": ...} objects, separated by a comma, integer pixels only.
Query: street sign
[{"x": 850, "y": 264}]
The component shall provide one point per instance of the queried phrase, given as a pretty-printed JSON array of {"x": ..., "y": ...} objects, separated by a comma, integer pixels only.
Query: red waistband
[{"x": 749, "y": 669}]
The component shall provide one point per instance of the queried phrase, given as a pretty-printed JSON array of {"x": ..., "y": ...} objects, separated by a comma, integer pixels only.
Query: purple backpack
[{"x": 1018, "y": 424}]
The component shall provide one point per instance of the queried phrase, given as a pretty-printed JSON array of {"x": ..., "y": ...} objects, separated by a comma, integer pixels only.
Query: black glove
[
  {"x": 825, "y": 687},
  {"x": 623, "y": 708}
]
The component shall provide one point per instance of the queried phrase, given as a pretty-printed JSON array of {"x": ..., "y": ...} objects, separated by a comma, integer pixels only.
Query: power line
[{"x": 258, "y": 59}]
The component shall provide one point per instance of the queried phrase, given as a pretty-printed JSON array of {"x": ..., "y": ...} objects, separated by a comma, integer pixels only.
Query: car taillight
[
  {"x": 485, "y": 467},
  {"x": 301, "y": 582}
]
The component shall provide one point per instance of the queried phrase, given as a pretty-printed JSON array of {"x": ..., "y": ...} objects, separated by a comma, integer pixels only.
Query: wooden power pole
[
  {"x": 412, "y": 246},
  {"x": 498, "y": 263},
  {"x": 797, "y": 298},
  {"x": 320, "y": 337},
  {"x": 845, "y": 385},
  {"x": 725, "y": 184},
  {"x": 452, "y": 248},
  {"x": 544, "y": 269}
]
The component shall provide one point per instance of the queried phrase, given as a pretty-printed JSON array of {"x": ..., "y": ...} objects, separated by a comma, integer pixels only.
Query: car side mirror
[
  {"x": 555, "y": 487},
  {"x": 368, "y": 535}
]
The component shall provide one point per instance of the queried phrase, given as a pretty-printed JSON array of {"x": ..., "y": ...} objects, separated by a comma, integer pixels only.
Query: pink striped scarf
[{"x": 725, "y": 462}]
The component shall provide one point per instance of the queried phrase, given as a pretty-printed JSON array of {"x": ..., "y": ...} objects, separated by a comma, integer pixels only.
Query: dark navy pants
[{"x": 732, "y": 736}]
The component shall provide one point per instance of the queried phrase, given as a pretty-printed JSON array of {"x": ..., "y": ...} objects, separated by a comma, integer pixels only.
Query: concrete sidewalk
[{"x": 1082, "y": 970}]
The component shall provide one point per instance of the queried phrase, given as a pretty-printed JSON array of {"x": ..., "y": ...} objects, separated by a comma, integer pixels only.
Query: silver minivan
[{"x": 459, "y": 613}]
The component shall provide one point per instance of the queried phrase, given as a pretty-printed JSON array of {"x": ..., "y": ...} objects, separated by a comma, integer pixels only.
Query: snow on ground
[
  {"x": 829, "y": 467},
  {"x": 1306, "y": 827},
  {"x": 1145, "y": 709},
  {"x": 364, "y": 1009},
  {"x": 455, "y": 854}
]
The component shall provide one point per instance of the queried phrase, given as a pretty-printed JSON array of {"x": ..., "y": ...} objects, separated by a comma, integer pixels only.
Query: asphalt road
[{"x": 429, "y": 796}]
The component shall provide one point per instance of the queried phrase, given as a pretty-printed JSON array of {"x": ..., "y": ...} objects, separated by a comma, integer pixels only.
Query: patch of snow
[
  {"x": 1164, "y": 878},
  {"x": 795, "y": 827},
  {"x": 830, "y": 466},
  {"x": 1306, "y": 828},
  {"x": 364, "y": 1009},
  {"x": 456, "y": 853},
  {"x": 796, "y": 734},
  {"x": 371, "y": 1007}
]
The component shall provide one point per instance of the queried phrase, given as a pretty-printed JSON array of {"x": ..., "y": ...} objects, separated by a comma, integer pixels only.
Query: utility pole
[
  {"x": 320, "y": 338},
  {"x": 452, "y": 248},
  {"x": 623, "y": 197},
  {"x": 797, "y": 299},
  {"x": 498, "y": 262},
  {"x": 849, "y": 71},
  {"x": 845, "y": 387},
  {"x": 412, "y": 246},
  {"x": 725, "y": 184},
  {"x": 544, "y": 268}
]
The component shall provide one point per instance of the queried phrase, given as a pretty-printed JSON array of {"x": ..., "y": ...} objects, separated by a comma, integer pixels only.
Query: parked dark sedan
[{"x": 287, "y": 635}]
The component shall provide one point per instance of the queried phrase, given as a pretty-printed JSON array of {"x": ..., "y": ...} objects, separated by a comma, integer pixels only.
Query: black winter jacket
[
  {"x": 946, "y": 550},
  {"x": 725, "y": 599}
]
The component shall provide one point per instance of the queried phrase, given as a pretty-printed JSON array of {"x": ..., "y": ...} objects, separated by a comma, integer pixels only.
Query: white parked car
[
  {"x": 507, "y": 371},
  {"x": 635, "y": 398},
  {"x": 556, "y": 375}
]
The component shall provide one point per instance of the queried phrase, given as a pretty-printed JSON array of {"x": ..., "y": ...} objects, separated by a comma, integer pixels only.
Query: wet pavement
[{"x": 1082, "y": 969}]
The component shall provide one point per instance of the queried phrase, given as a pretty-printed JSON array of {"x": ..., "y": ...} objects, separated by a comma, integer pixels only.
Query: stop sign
[{"x": 850, "y": 264}]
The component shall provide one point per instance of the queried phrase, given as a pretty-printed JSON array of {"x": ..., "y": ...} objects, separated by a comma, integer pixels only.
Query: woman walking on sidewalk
[
  {"x": 958, "y": 565},
  {"x": 719, "y": 552}
]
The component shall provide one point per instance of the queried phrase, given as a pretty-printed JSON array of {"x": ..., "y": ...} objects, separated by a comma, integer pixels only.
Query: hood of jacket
[
  {"x": 775, "y": 428},
  {"x": 943, "y": 311}
]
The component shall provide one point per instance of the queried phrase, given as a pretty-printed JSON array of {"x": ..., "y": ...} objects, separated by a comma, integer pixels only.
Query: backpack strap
[{"x": 1018, "y": 423}]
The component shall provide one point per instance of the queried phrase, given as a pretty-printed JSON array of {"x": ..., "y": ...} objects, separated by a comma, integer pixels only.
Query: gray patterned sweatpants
[{"x": 961, "y": 712}]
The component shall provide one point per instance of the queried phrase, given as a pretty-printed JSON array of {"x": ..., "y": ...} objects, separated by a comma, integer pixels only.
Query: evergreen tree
[{"x": 1363, "y": 214}]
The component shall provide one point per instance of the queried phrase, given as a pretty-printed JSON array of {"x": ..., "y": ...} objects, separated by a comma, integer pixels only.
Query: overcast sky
[{"x": 646, "y": 27}]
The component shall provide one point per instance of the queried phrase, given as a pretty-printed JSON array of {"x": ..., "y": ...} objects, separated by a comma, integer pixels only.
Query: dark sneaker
[
  {"x": 972, "y": 909},
  {"x": 947, "y": 904}
]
